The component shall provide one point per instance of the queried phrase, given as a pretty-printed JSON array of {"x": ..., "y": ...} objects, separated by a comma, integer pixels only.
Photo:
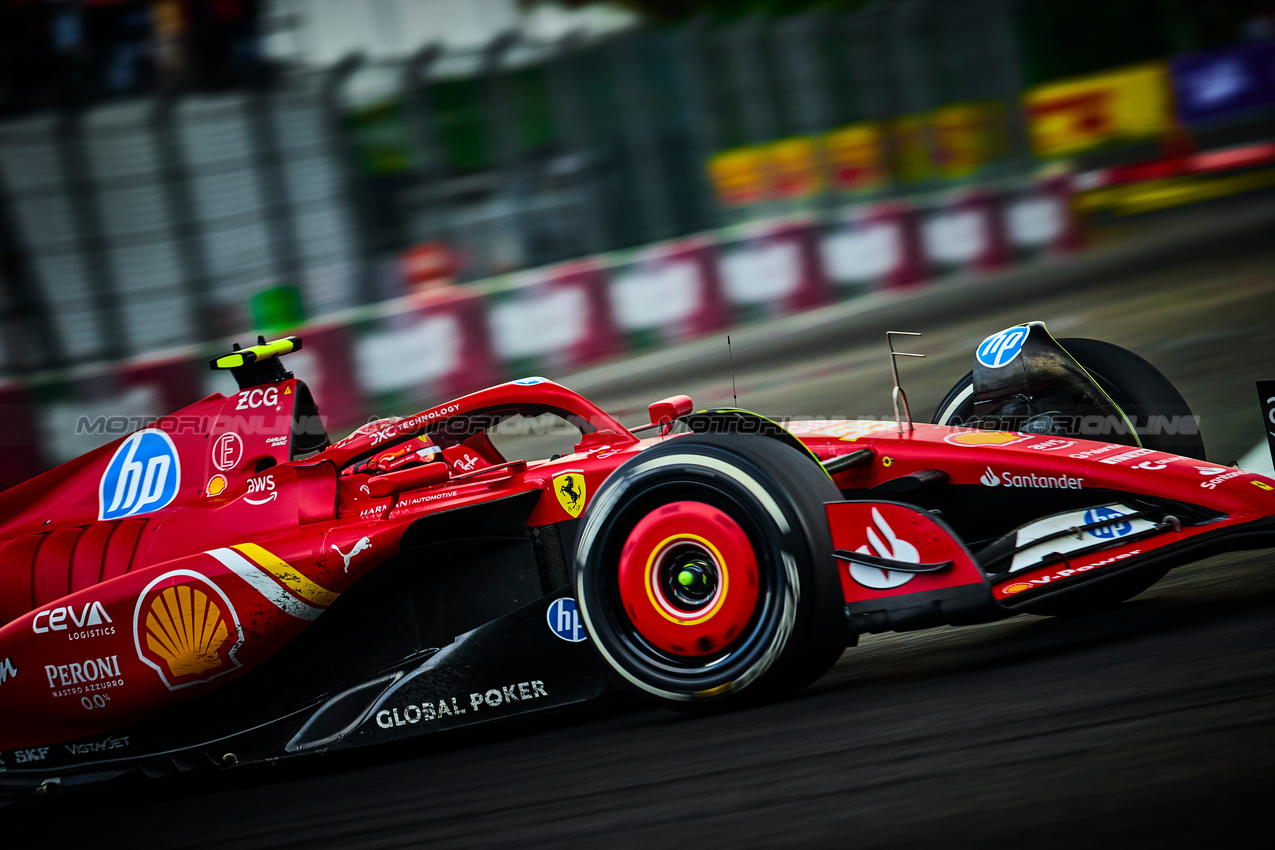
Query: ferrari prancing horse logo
[{"x": 569, "y": 488}]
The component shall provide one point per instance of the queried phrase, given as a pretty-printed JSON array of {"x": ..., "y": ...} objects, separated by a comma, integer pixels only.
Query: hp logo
[
  {"x": 1107, "y": 532},
  {"x": 143, "y": 476},
  {"x": 564, "y": 620},
  {"x": 1001, "y": 348}
]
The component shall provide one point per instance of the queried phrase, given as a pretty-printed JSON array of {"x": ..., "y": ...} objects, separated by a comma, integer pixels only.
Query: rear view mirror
[{"x": 668, "y": 409}]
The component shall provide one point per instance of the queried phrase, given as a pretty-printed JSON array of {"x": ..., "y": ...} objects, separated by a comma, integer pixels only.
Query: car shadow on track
[
  {"x": 1228, "y": 587},
  {"x": 1220, "y": 588}
]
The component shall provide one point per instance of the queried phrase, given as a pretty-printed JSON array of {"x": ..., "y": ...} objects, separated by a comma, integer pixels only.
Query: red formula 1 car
[{"x": 226, "y": 587}]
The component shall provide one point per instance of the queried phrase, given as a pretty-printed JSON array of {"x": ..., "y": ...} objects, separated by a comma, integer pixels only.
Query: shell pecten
[{"x": 186, "y": 629}]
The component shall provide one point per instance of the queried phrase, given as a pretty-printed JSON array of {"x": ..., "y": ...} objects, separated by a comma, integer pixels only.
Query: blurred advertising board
[
  {"x": 952, "y": 143},
  {"x": 969, "y": 136},
  {"x": 795, "y": 166},
  {"x": 739, "y": 176},
  {"x": 784, "y": 170},
  {"x": 1071, "y": 116},
  {"x": 1224, "y": 84},
  {"x": 914, "y": 144},
  {"x": 856, "y": 157}
]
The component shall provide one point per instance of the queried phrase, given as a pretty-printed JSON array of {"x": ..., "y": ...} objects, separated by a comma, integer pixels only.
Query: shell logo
[
  {"x": 1017, "y": 588},
  {"x": 185, "y": 628},
  {"x": 985, "y": 438},
  {"x": 216, "y": 485}
]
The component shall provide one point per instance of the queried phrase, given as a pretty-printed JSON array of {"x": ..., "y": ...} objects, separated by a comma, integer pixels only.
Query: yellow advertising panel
[
  {"x": 969, "y": 135},
  {"x": 856, "y": 157},
  {"x": 914, "y": 139},
  {"x": 1071, "y": 116},
  {"x": 795, "y": 168},
  {"x": 739, "y": 176}
]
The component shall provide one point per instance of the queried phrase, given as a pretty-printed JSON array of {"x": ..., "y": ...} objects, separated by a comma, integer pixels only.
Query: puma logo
[{"x": 364, "y": 543}]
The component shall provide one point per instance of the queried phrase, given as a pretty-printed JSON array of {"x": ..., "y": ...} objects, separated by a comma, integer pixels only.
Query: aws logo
[
  {"x": 185, "y": 628},
  {"x": 143, "y": 476},
  {"x": 261, "y": 490}
]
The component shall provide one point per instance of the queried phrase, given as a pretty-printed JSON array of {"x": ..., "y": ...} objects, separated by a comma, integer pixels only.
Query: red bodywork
[{"x": 107, "y": 621}]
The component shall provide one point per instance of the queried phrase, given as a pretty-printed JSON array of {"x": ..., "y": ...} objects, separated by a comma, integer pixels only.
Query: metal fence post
[
  {"x": 91, "y": 237},
  {"x": 31, "y": 339},
  {"x": 351, "y": 187},
  {"x": 750, "y": 80},
  {"x": 637, "y": 122},
  {"x": 276, "y": 206},
  {"x": 913, "y": 64},
  {"x": 430, "y": 170},
  {"x": 1009, "y": 73},
  {"x": 565, "y": 90},
  {"x": 806, "y": 79},
  {"x": 870, "y": 62},
  {"x": 175, "y": 182},
  {"x": 500, "y": 117},
  {"x": 689, "y": 52}
]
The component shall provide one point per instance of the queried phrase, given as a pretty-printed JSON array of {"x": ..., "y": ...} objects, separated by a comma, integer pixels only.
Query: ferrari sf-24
[{"x": 228, "y": 587}]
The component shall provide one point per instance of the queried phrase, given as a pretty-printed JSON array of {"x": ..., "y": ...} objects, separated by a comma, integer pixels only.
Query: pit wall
[{"x": 403, "y": 355}]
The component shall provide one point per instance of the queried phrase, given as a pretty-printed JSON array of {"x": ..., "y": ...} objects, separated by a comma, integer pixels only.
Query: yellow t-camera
[{"x": 258, "y": 364}]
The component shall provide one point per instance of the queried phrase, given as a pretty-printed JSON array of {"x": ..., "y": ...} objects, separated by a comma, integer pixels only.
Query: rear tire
[
  {"x": 705, "y": 576},
  {"x": 1144, "y": 394}
]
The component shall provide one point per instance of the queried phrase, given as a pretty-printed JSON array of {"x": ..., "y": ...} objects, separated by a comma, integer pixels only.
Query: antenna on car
[
  {"x": 733, "y": 395},
  {"x": 898, "y": 395}
]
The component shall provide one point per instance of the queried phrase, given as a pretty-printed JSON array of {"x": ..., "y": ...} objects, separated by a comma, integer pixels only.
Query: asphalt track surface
[{"x": 1150, "y": 725}]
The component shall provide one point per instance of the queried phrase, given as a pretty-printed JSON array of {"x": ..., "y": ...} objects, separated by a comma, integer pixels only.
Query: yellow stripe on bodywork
[{"x": 287, "y": 576}]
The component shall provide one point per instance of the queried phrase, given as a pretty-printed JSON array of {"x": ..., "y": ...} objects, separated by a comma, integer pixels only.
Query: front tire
[
  {"x": 1144, "y": 394},
  {"x": 704, "y": 572},
  {"x": 1138, "y": 388}
]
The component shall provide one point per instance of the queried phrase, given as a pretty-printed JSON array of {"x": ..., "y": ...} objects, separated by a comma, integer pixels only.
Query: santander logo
[
  {"x": 887, "y": 544},
  {"x": 1030, "y": 480}
]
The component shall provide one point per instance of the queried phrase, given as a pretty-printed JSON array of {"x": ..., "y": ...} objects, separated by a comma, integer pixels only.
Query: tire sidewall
[{"x": 717, "y": 470}]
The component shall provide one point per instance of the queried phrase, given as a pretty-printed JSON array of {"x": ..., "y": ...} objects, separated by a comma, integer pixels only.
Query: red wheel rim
[{"x": 693, "y": 616}]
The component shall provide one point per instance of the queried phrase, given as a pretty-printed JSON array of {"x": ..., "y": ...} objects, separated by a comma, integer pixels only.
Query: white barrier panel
[
  {"x": 395, "y": 359},
  {"x": 862, "y": 252},
  {"x": 1035, "y": 220},
  {"x": 535, "y": 325},
  {"x": 954, "y": 236},
  {"x": 760, "y": 272},
  {"x": 653, "y": 295}
]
